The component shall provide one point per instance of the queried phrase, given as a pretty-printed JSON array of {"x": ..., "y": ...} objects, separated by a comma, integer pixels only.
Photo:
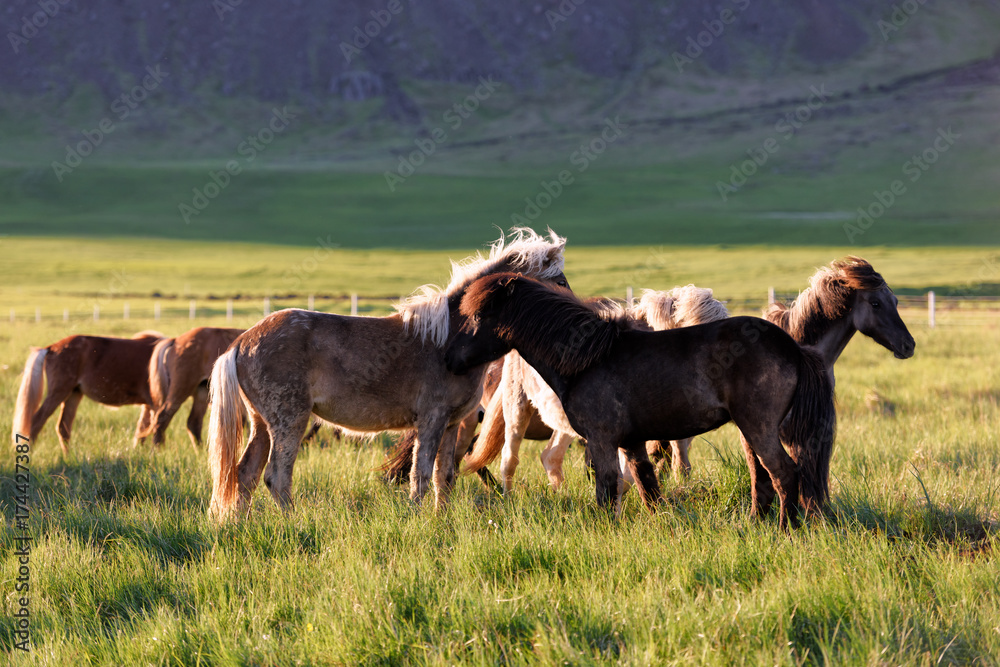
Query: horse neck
[{"x": 833, "y": 340}]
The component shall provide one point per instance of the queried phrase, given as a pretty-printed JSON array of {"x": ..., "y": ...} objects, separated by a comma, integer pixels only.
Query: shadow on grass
[{"x": 86, "y": 499}]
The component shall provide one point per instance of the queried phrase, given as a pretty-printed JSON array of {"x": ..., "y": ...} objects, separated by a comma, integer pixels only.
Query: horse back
[{"x": 113, "y": 371}]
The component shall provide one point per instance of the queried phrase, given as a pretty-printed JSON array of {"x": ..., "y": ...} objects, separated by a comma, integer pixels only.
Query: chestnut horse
[
  {"x": 525, "y": 393},
  {"x": 365, "y": 374},
  {"x": 112, "y": 371},
  {"x": 620, "y": 387},
  {"x": 178, "y": 369}
]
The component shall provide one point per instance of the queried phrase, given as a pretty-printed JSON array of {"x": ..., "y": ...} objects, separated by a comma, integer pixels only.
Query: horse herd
[{"x": 506, "y": 343}]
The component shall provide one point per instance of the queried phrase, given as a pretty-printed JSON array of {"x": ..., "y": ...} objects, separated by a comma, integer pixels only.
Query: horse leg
[
  {"x": 552, "y": 457},
  {"x": 58, "y": 393},
  {"x": 197, "y": 417},
  {"x": 66, "y": 415},
  {"x": 143, "y": 425},
  {"x": 644, "y": 475},
  {"x": 286, "y": 437},
  {"x": 784, "y": 475},
  {"x": 604, "y": 457},
  {"x": 679, "y": 454},
  {"x": 658, "y": 455},
  {"x": 762, "y": 491},
  {"x": 251, "y": 464},
  {"x": 516, "y": 417},
  {"x": 430, "y": 431},
  {"x": 444, "y": 466}
]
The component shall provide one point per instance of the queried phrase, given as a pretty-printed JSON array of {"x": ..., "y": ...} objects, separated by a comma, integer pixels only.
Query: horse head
[{"x": 875, "y": 313}]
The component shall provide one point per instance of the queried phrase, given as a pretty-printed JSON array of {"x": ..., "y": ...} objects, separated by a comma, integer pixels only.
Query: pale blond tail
[
  {"x": 159, "y": 372},
  {"x": 30, "y": 393},
  {"x": 492, "y": 433},
  {"x": 225, "y": 433}
]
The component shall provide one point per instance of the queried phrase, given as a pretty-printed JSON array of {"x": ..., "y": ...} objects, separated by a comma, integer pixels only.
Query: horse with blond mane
[
  {"x": 179, "y": 369},
  {"x": 364, "y": 374},
  {"x": 112, "y": 371}
]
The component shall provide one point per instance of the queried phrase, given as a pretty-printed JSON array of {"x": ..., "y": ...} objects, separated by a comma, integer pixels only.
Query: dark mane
[
  {"x": 551, "y": 324},
  {"x": 827, "y": 298}
]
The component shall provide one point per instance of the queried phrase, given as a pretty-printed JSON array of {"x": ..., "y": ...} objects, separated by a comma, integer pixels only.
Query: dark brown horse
[
  {"x": 365, "y": 374},
  {"x": 112, "y": 371},
  {"x": 621, "y": 387},
  {"x": 845, "y": 298},
  {"x": 179, "y": 369}
]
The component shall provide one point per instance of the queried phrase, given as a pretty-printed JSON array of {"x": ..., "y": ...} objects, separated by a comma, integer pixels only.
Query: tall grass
[{"x": 127, "y": 569}]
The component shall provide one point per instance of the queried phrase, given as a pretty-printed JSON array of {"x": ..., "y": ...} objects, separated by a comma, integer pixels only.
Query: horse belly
[{"x": 112, "y": 392}]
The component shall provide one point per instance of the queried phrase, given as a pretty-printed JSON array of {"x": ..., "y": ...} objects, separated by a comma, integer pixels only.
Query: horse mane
[
  {"x": 827, "y": 298},
  {"x": 552, "y": 325},
  {"x": 148, "y": 333},
  {"x": 607, "y": 308},
  {"x": 425, "y": 312},
  {"x": 678, "y": 307}
]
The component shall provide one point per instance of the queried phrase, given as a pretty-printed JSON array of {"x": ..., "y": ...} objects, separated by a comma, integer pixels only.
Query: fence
[{"x": 244, "y": 308}]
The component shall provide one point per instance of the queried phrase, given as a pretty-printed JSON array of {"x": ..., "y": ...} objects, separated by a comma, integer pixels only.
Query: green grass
[{"x": 127, "y": 569}]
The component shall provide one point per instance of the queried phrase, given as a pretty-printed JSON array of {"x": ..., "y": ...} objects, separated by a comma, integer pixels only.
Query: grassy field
[{"x": 127, "y": 569}]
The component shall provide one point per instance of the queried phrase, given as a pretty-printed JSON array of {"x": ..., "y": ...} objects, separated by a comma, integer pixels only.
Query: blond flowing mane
[
  {"x": 425, "y": 313},
  {"x": 828, "y": 298},
  {"x": 679, "y": 307}
]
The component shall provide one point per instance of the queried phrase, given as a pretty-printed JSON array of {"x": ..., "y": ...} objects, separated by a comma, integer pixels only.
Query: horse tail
[
  {"x": 30, "y": 393},
  {"x": 809, "y": 430},
  {"x": 491, "y": 437},
  {"x": 159, "y": 372},
  {"x": 225, "y": 432},
  {"x": 396, "y": 467}
]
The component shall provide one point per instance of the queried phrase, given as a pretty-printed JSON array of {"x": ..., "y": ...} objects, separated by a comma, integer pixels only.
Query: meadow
[{"x": 126, "y": 567}]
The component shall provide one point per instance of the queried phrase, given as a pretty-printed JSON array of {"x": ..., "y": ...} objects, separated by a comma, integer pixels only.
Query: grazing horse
[
  {"x": 112, "y": 371},
  {"x": 620, "y": 387},
  {"x": 526, "y": 394},
  {"x": 178, "y": 369},
  {"x": 365, "y": 374},
  {"x": 842, "y": 299}
]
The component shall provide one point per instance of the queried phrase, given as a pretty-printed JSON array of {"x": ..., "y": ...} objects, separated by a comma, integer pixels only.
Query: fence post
[
  {"x": 191, "y": 309},
  {"x": 125, "y": 311},
  {"x": 312, "y": 302},
  {"x": 229, "y": 310},
  {"x": 267, "y": 306},
  {"x": 156, "y": 310},
  {"x": 354, "y": 304},
  {"x": 930, "y": 308},
  {"x": 628, "y": 296},
  {"x": 38, "y": 314},
  {"x": 97, "y": 312},
  {"x": 770, "y": 295},
  {"x": 65, "y": 314}
]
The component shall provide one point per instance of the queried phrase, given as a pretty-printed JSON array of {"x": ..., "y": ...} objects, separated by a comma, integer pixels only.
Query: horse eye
[
  {"x": 562, "y": 283},
  {"x": 875, "y": 304}
]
